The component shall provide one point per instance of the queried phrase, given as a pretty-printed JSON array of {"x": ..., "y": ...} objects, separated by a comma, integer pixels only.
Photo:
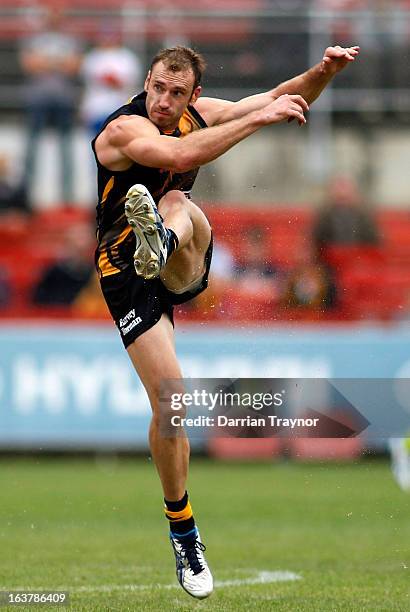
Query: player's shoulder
[
  {"x": 124, "y": 128},
  {"x": 134, "y": 122},
  {"x": 117, "y": 135},
  {"x": 211, "y": 109}
]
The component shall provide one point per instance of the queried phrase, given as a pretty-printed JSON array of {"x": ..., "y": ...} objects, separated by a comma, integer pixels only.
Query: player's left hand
[{"x": 336, "y": 58}]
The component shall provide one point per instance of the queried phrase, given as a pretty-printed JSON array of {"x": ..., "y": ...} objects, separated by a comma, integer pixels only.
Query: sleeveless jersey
[{"x": 115, "y": 238}]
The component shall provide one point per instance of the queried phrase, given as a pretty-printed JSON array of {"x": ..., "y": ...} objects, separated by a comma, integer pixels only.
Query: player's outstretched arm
[
  {"x": 309, "y": 85},
  {"x": 127, "y": 140}
]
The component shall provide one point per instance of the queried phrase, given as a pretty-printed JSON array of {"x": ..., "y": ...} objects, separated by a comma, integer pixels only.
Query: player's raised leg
[
  {"x": 188, "y": 222},
  {"x": 177, "y": 228},
  {"x": 154, "y": 358}
]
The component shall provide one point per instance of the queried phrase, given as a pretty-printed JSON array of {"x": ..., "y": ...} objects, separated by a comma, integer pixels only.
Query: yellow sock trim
[{"x": 181, "y": 515}]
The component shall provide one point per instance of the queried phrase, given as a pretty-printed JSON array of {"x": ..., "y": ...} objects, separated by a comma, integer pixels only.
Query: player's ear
[
  {"x": 195, "y": 94},
  {"x": 147, "y": 79}
]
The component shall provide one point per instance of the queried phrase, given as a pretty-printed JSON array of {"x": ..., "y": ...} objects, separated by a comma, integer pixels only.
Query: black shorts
[{"x": 137, "y": 304}]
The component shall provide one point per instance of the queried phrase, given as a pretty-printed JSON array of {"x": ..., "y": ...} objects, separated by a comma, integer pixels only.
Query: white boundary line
[{"x": 261, "y": 577}]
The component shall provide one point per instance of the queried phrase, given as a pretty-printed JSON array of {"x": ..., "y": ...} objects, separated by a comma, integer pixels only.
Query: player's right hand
[{"x": 286, "y": 108}]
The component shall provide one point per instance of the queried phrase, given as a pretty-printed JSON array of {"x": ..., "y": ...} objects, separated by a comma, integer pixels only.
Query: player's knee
[
  {"x": 165, "y": 396},
  {"x": 173, "y": 199},
  {"x": 169, "y": 408}
]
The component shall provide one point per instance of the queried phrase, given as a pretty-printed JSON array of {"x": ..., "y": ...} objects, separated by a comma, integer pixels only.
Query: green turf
[{"x": 92, "y": 526}]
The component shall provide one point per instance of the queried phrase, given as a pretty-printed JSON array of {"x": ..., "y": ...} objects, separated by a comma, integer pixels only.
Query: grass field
[{"x": 95, "y": 528}]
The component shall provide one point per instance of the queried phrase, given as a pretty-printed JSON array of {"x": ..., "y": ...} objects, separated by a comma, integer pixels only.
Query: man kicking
[{"x": 155, "y": 245}]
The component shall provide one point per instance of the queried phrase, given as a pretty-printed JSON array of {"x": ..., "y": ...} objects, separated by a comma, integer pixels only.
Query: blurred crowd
[
  {"x": 74, "y": 79},
  {"x": 302, "y": 279},
  {"x": 267, "y": 265},
  {"x": 69, "y": 81},
  {"x": 54, "y": 63}
]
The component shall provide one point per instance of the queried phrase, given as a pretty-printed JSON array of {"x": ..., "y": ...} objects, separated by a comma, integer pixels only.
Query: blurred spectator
[
  {"x": 344, "y": 220},
  {"x": 12, "y": 197},
  {"x": 223, "y": 262},
  {"x": 213, "y": 302},
  {"x": 256, "y": 274},
  {"x": 89, "y": 302},
  {"x": 61, "y": 283},
  {"x": 111, "y": 74},
  {"x": 310, "y": 285},
  {"x": 51, "y": 60}
]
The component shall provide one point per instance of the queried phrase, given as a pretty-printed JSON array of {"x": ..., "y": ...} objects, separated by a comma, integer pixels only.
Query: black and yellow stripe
[{"x": 182, "y": 515}]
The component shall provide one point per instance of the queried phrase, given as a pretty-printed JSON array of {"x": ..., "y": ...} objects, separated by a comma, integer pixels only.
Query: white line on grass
[{"x": 261, "y": 577}]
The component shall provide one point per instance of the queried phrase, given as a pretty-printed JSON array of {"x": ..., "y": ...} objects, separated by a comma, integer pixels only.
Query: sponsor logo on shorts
[{"x": 128, "y": 322}]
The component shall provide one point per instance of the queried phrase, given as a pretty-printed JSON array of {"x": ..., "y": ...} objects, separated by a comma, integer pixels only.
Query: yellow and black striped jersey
[{"x": 116, "y": 240}]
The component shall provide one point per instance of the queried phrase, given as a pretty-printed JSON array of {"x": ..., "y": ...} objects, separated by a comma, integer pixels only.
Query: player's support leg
[
  {"x": 171, "y": 240},
  {"x": 154, "y": 358}
]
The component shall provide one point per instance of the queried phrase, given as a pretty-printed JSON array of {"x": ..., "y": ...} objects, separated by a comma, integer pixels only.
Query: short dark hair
[{"x": 178, "y": 59}]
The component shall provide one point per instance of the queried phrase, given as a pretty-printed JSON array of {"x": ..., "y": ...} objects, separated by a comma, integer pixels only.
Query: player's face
[{"x": 168, "y": 95}]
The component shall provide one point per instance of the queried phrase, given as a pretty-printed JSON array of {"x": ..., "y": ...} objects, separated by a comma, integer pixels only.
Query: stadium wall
[{"x": 72, "y": 386}]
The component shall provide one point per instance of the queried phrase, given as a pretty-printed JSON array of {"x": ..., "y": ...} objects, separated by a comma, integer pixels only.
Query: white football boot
[
  {"x": 150, "y": 234},
  {"x": 192, "y": 569}
]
